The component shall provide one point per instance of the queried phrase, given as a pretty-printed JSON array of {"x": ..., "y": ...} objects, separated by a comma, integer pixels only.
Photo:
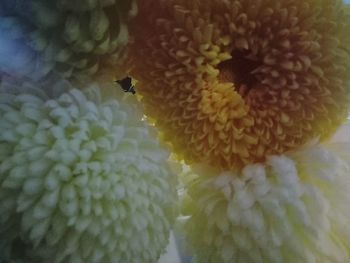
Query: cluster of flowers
[
  {"x": 247, "y": 93},
  {"x": 83, "y": 177}
]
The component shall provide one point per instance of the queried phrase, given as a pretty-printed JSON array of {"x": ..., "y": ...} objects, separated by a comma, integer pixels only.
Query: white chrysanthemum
[
  {"x": 82, "y": 180},
  {"x": 293, "y": 209}
]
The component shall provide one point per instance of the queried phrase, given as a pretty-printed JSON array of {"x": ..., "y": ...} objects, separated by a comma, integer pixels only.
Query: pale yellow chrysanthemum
[
  {"x": 230, "y": 82},
  {"x": 82, "y": 179},
  {"x": 292, "y": 209}
]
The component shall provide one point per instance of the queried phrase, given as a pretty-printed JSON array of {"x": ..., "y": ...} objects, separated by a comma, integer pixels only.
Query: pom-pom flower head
[
  {"x": 77, "y": 38},
  {"x": 82, "y": 180},
  {"x": 230, "y": 82},
  {"x": 293, "y": 209}
]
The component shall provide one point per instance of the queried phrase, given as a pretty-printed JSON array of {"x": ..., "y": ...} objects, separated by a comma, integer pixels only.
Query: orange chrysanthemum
[{"x": 232, "y": 81}]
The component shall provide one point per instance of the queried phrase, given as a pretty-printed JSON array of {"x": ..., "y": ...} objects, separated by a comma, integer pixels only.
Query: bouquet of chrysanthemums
[{"x": 145, "y": 131}]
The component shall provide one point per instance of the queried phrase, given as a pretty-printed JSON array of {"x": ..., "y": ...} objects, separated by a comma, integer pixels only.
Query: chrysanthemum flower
[
  {"x": 293, "y": 209},
  {"x": 78, "y": 38},
  {"x": 230, "y": 82},
  {"x": 82, "y": 180}
]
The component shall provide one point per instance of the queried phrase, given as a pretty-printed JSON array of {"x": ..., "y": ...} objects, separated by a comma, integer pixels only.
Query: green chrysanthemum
[
  {"x": 80, "y": 37},
  {"x": 293, "y": 209},
  {"x": 82, "y": 180}
]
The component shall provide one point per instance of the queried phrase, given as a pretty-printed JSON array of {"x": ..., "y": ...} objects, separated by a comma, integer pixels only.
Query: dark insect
[{"x": 126, "y": 85}]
